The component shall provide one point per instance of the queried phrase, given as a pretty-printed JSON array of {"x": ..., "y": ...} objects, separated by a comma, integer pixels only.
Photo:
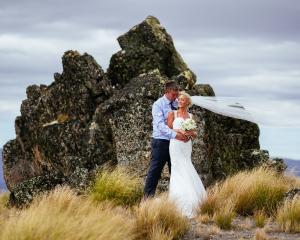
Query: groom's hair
[{"x": 171, "y": 85}]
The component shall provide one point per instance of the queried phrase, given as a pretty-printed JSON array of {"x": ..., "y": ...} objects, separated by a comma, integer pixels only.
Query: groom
[{"x": 161, "y": 137}]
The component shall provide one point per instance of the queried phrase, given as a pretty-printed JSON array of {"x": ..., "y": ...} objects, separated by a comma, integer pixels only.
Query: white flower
[{"x": 188, "y": 124}]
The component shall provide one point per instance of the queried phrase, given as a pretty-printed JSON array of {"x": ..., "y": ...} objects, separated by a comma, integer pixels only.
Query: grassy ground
[{"x": 113, "y": 208}]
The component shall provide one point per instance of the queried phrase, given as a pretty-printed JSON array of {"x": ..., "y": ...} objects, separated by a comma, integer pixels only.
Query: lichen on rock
[{"x": 145, "y": 47}]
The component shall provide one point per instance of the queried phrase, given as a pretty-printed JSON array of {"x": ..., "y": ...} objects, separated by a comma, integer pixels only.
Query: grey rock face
[
  {"x": 145, "y": 47},
  {"x": 86, "y": 119},
  {"x": 53, "y": 134}
]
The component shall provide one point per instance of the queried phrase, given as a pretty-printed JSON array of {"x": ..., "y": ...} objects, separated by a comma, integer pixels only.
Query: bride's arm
[{"x": 170, "y": 119}]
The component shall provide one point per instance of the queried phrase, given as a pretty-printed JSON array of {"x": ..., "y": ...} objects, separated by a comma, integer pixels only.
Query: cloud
[
  {"x": 241, "y": 48},
  {"x": 27, "y": 60},
  {"x": 193, "y": 18},
  {"x": 245, "y": 67}
]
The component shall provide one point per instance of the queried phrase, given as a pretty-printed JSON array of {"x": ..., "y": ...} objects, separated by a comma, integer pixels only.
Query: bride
[{"x": 186, "y": 188}]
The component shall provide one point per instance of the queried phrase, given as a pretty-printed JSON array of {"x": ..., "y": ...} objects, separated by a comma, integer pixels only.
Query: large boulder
[
  {"x": 54, "y": 135},
  {"x": 87, "y": 119},
  {"x": 145, "y": 47}
]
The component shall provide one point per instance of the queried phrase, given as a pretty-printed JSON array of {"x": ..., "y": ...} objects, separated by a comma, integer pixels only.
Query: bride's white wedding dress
[{"x": 186, "y": 188}]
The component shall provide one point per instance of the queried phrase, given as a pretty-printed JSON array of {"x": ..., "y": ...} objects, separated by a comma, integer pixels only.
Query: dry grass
[
  {"x": 213, "y": 230},
  {"x": 288, "y": 215},
  {"x": 260, "y": 218},
  {"x": 257, "y": 189},
  {"x": 207, "y": 232},
  {"x": 293, "y": 180},
  {"x": 63, "y": 215},
  {"x": 118, "y": 187},
  {"x": 158, "y": 233},
  {"x": 3, "y": 200},
  {"x": 204, "y": 218},
  {"x": 260, "y": 234},
  {"x": 4, "y": 211},
  {"x": 246, "y": 224},
  {"x": 224, "y": 216},
  {"x": 159, "y": 219},
  {"x": 208, "y": 206}
]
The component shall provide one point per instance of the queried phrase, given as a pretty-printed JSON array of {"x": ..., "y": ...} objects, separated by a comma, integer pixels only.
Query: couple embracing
[{"x": 172, "y": 143}]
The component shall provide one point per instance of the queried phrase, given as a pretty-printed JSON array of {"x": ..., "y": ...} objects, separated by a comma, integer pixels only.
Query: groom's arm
[{"x": 159, "y": 122}]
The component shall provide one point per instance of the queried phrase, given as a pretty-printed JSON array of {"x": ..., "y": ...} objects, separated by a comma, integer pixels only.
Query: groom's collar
[{"x": 167, "y": 100}]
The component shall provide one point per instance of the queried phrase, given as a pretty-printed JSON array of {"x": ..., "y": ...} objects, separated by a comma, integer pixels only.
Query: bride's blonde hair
[{"x": 183, "y": 93}]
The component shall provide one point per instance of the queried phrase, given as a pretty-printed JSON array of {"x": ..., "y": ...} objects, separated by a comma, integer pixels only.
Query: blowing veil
[{"x": 265, "y": 112}]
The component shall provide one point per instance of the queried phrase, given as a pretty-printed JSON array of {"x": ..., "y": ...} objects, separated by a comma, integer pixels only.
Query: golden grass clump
[
  {"x": 117, "y": 186},
  {"x": 158, "y": 218},
  {"x": 288, "y": 215},
  {"x": 223, "y": 217},
  {"x": 208, "y": 206},
  {"x": 4, "y": 211},
  {"x": 4, "y": 196},
  {"x": 204, "y": 218},
  {"x": 260, "y": 218},
  {"x": 260, "y": 234},
  {"x": 252, "y": 190},
  {"x": 61, "y": 214}
]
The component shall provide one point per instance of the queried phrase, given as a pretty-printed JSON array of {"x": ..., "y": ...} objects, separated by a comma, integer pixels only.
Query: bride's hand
[{"x": 191, "y": 134}]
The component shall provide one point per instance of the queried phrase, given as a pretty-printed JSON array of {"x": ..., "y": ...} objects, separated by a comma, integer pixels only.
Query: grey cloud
[
  {"x": 277, "y": 19},
  {"x": 228, "y": 44}
]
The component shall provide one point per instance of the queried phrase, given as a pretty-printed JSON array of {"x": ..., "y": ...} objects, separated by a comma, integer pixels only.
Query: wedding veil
[{"x": 265, "y": 112}]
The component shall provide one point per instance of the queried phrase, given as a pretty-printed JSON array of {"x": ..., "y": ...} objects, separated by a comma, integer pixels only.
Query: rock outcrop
[{"x": 88, "y": 118}]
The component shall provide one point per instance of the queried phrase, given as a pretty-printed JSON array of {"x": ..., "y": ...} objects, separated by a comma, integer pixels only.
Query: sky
[{"x": 248, "y": 49}]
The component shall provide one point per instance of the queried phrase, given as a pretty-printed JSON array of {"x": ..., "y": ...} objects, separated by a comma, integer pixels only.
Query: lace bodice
[{"x": 178, "y": 120}]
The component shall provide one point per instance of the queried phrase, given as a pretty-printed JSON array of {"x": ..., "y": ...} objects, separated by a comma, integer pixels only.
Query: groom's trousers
[{"x": 159, "y": 156}]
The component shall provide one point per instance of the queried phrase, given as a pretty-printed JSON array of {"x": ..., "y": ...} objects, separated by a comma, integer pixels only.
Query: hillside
[
  {"x": 2, "y": 183},
  {"x": 293, "y": 165}
]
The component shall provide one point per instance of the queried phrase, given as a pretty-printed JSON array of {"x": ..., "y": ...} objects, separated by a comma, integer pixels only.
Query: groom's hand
[{"x": 181, "y": 137}]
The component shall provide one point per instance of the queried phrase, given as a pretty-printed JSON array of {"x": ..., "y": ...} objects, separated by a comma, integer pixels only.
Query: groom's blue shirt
[{"x": 160, "y": 109}]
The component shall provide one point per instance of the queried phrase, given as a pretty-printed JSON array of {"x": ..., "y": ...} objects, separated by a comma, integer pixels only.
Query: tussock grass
[
  {"x": 208, "y": 206},
  {"x": 223, "y": 217},
  {"x": 158, "y": 233},
  {"x": 117, "y": 186},
  {"x": 260, "y": 234},
  {"x": 158, "y": 218},
  {"x": 4, "y": 211},
  {"x": 204, "y": 218},
  {"x": 257, "y": 189},
  {"x": 260, "y": 218},
  {"x": 3, "y": 200},
  {"x": 61, "y": 214},
  {"x": 288, "y": 215}
]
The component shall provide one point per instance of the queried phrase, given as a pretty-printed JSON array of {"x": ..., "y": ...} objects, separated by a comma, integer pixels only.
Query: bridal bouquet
[{"x": 188, "y": 124}]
